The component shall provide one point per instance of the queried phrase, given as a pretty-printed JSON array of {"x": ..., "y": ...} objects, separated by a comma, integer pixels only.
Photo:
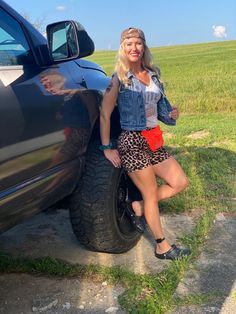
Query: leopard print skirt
[{"x": 135, "y": 153}]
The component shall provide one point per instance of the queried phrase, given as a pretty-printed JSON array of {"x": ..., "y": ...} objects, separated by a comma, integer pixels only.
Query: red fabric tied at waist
[{"x": 154, "y": 138}]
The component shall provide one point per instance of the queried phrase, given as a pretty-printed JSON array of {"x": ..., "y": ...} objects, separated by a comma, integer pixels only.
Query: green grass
[
  {"x": 196, "y": 299},
  {"x": 202, "y": 79},
  {"x": 205, "y": 146},
  {"x": 199, "y": 78}
]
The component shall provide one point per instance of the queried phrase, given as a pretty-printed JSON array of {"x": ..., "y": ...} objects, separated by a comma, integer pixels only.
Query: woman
[{"x": 136, "y": 88}]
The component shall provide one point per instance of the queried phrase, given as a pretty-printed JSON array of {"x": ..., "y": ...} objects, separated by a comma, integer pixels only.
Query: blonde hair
[{"x": 122, "y": 65}]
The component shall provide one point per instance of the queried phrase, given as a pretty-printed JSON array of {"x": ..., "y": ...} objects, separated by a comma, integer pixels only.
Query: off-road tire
[{"x": 97, "y": 207}]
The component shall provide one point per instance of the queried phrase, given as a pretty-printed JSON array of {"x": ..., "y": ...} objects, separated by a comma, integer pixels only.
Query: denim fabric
[
  {"x": 132, "y": 108},
  {"x": 163, "y": 109}
]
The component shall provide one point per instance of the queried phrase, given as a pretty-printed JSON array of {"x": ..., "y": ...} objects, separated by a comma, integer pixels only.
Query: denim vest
[{"x": 131, "y": 103}]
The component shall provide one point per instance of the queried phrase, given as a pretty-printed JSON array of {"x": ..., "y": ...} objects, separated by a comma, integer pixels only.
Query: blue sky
[{"x": 165, "y": 22}]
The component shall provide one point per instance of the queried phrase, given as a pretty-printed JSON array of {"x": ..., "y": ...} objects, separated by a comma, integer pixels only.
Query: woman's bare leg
[
  {"x": 145, "y": 180},
  {"x": 171, "y": 172},
  {"x": 137, "y": 207},
  {"x": 176, "y": 181}
]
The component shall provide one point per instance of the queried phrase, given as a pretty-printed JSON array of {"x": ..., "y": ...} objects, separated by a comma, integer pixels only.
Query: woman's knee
[{"x": 183, "y": 184}]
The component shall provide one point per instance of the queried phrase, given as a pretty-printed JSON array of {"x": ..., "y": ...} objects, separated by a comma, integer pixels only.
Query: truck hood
[
  {"x": 98, "y": 80},
  {"x": 89, "y": 65}
]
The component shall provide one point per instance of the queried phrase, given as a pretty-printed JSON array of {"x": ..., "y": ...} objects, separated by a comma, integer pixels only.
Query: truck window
[{"x": 14, "y": 49}]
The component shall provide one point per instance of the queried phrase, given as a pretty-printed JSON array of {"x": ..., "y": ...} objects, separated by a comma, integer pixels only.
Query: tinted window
[{"x": 14, "y": 49}]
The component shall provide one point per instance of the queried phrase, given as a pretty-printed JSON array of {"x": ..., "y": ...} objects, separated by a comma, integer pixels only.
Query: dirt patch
[
  {"x": 194, "y": 213},
  {"x": 228, "y": 215},
  {"x": 224, "y": 143},
  {"x": 198, "y": 134},
  {"x": 168, "y": 135}
]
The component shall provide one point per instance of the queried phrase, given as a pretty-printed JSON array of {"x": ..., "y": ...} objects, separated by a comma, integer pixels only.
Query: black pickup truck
[{"x": 49, "y": 133}]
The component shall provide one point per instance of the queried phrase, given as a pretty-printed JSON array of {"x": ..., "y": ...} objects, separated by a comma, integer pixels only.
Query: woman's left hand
[{"x": 174, "y": 114}]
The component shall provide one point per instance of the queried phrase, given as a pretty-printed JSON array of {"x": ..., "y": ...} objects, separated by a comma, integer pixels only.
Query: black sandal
[
  {"x": 137, "y": 221},
  {"x": 173, "y": 253}
]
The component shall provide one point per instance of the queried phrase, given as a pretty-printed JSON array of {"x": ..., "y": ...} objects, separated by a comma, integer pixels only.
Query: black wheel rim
[{"x": 123, "y": 220}]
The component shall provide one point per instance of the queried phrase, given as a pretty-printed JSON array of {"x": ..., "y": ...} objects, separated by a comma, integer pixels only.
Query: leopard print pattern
[{"x": 135, "y": 153}]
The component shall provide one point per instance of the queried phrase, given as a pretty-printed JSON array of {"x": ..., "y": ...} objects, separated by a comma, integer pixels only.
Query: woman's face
[{"x": 134, "y": 49}]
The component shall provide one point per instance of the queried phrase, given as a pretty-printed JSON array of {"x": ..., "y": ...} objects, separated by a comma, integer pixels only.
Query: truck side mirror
[
  {"x": 62, "y": 41},
  {"x": 68, "y": 40}
]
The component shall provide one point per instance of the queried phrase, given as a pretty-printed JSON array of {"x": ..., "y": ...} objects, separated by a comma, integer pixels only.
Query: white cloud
[
  {"x": 60, "y": 8},
  {"x": 219, "y": 31}
]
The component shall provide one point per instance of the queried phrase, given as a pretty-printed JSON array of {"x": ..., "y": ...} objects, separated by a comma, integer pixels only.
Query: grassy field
[
  {"x": 205, "y": 146},
  {"x": 199, "y": 78},
  {"x": 202, "y": 80}
]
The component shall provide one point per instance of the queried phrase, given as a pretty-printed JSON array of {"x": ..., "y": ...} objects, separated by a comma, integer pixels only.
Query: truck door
[{"x": 31, "y": 128}]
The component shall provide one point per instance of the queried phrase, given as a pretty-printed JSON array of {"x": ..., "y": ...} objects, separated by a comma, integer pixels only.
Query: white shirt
[{"x": 151, "y": 95}]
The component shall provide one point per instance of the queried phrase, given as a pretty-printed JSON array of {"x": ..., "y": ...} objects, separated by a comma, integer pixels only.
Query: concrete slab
[
  {"x": 50, "y": 234},
  {"x": 25, "y": 294},
  {"x": 215, "y": 269}
]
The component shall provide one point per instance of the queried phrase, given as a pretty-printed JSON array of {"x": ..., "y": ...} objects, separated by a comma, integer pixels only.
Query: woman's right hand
[{"x": 113, "y": 156}]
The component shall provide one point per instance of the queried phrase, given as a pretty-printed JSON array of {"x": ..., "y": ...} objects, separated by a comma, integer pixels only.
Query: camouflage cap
[{"x": 132, "y": 32}]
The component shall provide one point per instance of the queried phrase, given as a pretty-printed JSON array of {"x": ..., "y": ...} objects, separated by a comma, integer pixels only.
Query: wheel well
[{"x": 115, "y": 127}]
